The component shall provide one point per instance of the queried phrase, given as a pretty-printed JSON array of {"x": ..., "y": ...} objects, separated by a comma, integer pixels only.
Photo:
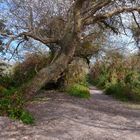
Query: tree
[
  {"x": 135, "y": 29},
  {"x": 64, "y": 26}
]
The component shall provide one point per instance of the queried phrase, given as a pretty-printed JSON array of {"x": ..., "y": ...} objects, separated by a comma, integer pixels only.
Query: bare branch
[
  {"x": 45, "y": 41},
  {"x": 16, "y": 49},
  {"x": 24, "y": 35},
  {"x": 121, "y": 23},
  {"x": 115, "y": 30},
  {"x": 135, "y": 20},
  {"x": 101, "y": 17},
  {"x": 97, "y": 7},
  {"x": 31, "y": 19}
]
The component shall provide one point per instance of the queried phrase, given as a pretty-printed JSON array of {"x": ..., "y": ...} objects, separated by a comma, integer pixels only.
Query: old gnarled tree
[{"x": 64, "y": 26}]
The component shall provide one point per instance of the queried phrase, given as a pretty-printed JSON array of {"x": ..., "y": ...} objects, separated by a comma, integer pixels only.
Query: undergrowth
[
  {"x": 118, "y": 77},
  {"x": 78, "y": 90},
  {"x": 12, "y": 105},
  {"x": 11, "y": 87}
]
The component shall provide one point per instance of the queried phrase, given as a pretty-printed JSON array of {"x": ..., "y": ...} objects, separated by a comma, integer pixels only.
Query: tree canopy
[
  {"x": 49, "y": 21},
  {"x": 69, "y": 28}
]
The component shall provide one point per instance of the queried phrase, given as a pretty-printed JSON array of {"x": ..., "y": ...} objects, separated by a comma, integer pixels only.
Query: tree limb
[
  {"x": 97, "y": 7},
  {"x": 101, "y": 17},
  {"x": 31, "y": 35},
  {"x": 16, "y": 49},
  {"x": 45, "y": 41},
  {"x": 115, "y": 30},
  {"x": 77, "y": 15},
  {"x": 135, "y": 20}
]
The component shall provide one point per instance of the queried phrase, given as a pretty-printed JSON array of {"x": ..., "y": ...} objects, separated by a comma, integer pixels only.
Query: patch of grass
[
  {"x": 11, "y": 104},
  {"x": 78, "y": 90},
  {"x": 22, "y": 115}
]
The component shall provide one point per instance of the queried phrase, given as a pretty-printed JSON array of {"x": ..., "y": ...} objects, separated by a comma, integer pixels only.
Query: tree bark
[{"x": 55, "y": 69}]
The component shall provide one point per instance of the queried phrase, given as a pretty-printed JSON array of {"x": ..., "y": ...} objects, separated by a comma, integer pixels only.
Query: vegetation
[
  {"x": 11, "y": 86},
  {"x": 76, "y": 73},
  {"x": 119, "y": 76},
  {"x": 12, "y": 99},
  {"x": 25, "y": 71},
  {"x": 67, "y": 29},
  {"x": 78, "y": 90},
  {"x": 12, "y": 105}
]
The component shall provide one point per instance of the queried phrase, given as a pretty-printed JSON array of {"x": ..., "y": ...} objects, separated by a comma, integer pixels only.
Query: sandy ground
[{"x": 61, "y": 117}]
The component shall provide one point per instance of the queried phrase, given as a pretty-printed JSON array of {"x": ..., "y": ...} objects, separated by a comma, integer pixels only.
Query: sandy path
[{"x": 61, "y": 117}]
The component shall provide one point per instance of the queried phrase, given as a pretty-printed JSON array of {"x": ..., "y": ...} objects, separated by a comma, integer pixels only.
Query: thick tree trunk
[{"x": 53, "y": 71}]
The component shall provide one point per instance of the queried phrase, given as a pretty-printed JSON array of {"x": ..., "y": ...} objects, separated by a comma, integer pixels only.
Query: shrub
[
  {"x": 78, "y": 91},
  {"x": 76, "y": 72},
  {"x": 2, "y": 89},
  {"x": 25, "y": 71},
  {"x": 11, "y": 104},
  {"x": 118, "y": 77},
  {"x": 11, "y": 98},
  {"x": 116, "y": 90},
  {"x": 22, "y": 115},
  {"x": 6, "y": 81}
]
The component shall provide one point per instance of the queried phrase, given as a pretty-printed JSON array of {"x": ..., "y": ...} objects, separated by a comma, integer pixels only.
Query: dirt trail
[{"x": 61, "y": 117}]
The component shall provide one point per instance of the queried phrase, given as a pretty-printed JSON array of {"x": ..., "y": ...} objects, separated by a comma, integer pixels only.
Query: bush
[
  {"x": 22, "y": 115},
  {"x": 118, "y": 77},
  {"x": 11, "y": 104},
  {"x": 6, "y": 81},
  {"x": 25, "y": 71},
  {"x": 11, "y": 97},
  {"x": 76, "y": 72},
  {"x": 78, "y": 91},
  {"x": 116, "y": 90}
]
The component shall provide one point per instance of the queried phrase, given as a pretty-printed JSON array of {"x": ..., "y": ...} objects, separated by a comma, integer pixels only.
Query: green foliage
[
  {"x": 6, "y": 81},
  {"x": 76, "y": 72},
  {"x": 78, "y": 90},
  {"x": 11, "y": 104},
  {"x": 101, "y": 81},
  {"x": 11, "y": 86},
  {"x": 117, "y": 90},
  {"x": 22, "y": 115},
  {"x": 118, "y": 77}
]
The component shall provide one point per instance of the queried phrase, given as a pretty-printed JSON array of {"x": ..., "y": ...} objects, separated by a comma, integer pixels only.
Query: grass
[
  {"x": 11, "y": 104},
  {"x": 78, "y": 90}
]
